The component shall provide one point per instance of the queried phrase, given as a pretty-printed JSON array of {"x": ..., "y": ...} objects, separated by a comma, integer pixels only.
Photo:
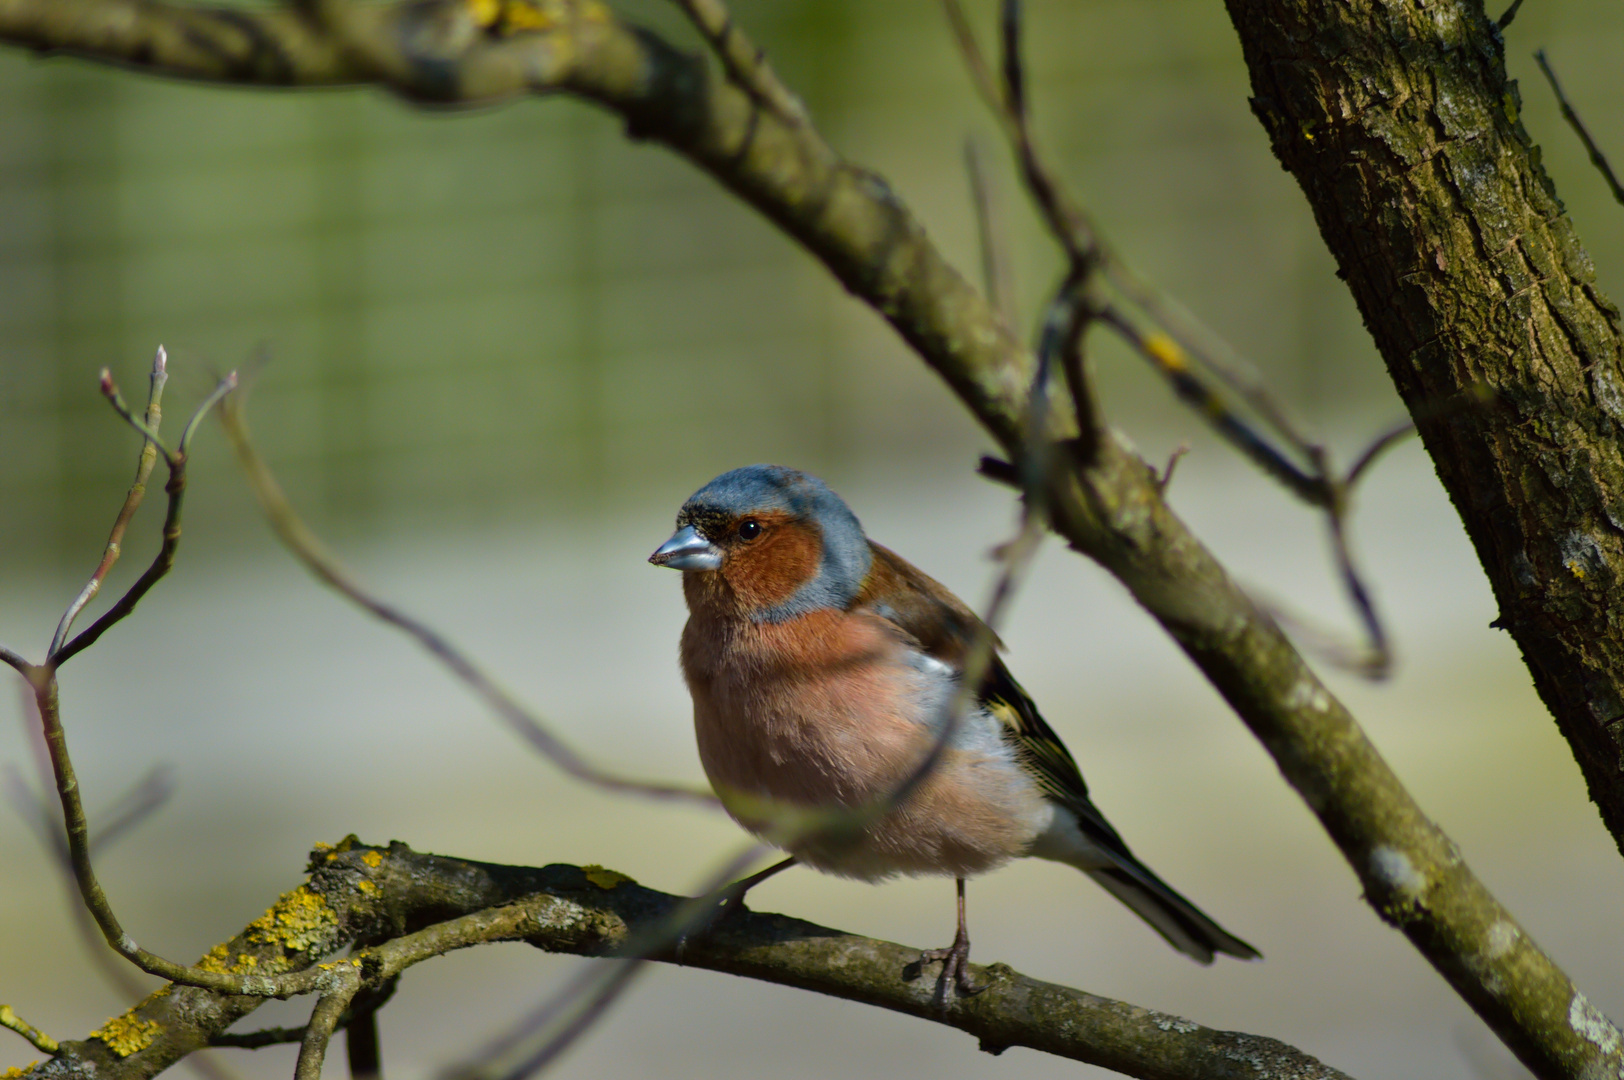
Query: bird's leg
[{"x": 955, "y": 960}]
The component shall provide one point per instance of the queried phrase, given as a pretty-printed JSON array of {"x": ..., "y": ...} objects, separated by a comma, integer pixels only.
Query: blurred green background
[{"x": 502, "y": 346}]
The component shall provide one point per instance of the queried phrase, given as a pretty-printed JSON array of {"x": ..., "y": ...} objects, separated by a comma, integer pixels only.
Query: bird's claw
[{"x": 955, "y": 976}]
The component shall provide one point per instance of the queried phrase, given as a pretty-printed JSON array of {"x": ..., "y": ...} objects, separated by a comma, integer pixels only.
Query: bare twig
[
  {"x": 323, "y": 1021},
  {"x": 1165, "y": 477},
  {"x": 143, "y": 427},
  {"x": 259, "y": 1040},
  {"x": 1378, "y": 446},
  {"x": 871, "y": 242},
  {"x": 745, "y": 62},
  {"x": 996, "y": 274},
  {"x": 305, "y": 546},
  {"x": 145, "y": 798},
  {"x": 572, "y": 1010},
  {"x": 36, "y": 1038},
  {"x": 14, "y": 659},
  {"x": 138, "y": 489},
  {"x": 1597, "y": 158},
  {"x": 161, "y": 563}
]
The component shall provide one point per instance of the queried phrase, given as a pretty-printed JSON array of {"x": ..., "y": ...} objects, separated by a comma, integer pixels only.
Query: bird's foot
[{"x": 955, "y": 976}]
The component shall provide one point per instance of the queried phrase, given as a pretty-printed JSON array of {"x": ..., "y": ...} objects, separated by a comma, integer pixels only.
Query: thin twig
[
  {"x": 1165, "y": 477},
  {"x": 132, "y": 500},
  {"x": 1506, "y": 16},
  {"x": 1596, "y": 157},
  {"x": 14, "y": 659},
  {"x": 1209, "y": 350},
  {"x": 996, "y": 274},
  {"x": 221, "y": 389},
  {"x": 140, "y": 802},
  {"x": 258, "y": 1040},
  {"x": 36, "y": 1038},
  {"x": 323, "y": 1021},
  {"x": 111, "y": 392},
  {"x": 34, "y": 811},
  {"x": 571, "y": 1010},
  {"x": 1377, "y": 447},
  {"x": 745, "y": 63},
  {"x": 1165, "y": 356},
  {"x": 305, "y": 546},
  {"x": 165, "y": 559}
]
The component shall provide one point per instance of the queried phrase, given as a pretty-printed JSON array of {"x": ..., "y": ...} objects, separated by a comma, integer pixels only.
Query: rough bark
[
  {"x": 1399, "y": 122},
  {"x": 1112, "y": 510},
  {"x": 396, "y": 907}
]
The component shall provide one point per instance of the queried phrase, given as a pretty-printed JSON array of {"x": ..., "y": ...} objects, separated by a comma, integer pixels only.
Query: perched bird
[{"x": 823, "y": 668}]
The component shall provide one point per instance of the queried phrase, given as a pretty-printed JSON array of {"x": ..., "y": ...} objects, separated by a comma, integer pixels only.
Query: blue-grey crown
[{"x": 758, "y": 489}]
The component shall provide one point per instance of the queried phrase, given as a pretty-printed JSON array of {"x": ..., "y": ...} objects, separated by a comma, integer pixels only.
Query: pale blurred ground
[{"x": 506, "y": 346}]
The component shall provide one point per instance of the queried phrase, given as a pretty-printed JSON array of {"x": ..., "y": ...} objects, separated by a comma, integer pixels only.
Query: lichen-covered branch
[
  {"x": 451, "y": 52},
  {"x": 395, "y": 907}
]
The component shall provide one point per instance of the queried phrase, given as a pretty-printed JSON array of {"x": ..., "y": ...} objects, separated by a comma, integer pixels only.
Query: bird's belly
[{"x": 773, "y": 753}]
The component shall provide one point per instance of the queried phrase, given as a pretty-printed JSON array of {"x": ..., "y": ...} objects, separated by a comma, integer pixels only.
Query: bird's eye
[{"x": 749, "y": 529}]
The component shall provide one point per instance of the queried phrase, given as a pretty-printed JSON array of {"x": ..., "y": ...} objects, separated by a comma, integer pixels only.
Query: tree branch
[
  {"x": 1111, "y": 510},
  {"x": 399, "y": 907},
  {"x": 1430, "y": 195}
]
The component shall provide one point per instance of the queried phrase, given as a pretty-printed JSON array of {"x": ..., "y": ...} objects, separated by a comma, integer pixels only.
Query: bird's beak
[{"x": 687, "y": 550}]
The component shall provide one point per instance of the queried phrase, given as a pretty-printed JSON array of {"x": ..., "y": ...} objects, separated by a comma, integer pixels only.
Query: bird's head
[{"x": 767, "y": 542}]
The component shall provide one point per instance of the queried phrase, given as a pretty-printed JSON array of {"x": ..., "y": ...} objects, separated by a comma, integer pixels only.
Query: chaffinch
[{"x": 822, "y": 668}]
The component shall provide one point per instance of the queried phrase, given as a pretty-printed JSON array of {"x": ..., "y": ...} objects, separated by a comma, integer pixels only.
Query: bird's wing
[{"x": 942, "y": 626}]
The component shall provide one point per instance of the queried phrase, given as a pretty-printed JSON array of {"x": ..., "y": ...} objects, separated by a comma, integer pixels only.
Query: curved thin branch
[
  {"x": 309, "y": 550},
  {"x": 132, "y": 501},
  {"x": 433, "y": 905},
  {"x": 1112, "y": 511}
]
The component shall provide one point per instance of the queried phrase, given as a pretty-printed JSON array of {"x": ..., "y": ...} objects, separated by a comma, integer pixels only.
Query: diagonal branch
[
  {"x": 1597, "y": 158},
  {"x": 297, "y": 537},
  {"x": 1112, "y": 510},
  {"x": 402, "y": 907}
]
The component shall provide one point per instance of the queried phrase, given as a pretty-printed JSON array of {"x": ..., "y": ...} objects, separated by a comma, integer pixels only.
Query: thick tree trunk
[{"x": 1397, "y": 119}]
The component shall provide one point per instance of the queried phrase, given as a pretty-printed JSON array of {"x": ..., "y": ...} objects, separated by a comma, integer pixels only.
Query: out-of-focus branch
[
  {"x": 400, "y": 908},
  {"x": 1597, "y": 158},
  {"x": 1111, "y": 510},
  {"x": 297, "y": 537},
  {"x": 745, "y": 62}
]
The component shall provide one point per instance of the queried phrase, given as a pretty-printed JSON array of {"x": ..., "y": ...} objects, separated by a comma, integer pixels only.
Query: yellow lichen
[
  {"x": 366, "y": 886},
  {"x": 15, "y": 1073},
  {"x": 520, "y": 15},
  {"x": 217, "y": 960},
  {"x": 603, "y": 878},
  {"x": 127, "y": 1034},
  {"x": 299, "y": 922},
  {"x": 485, "y": 12},
  {"x": 373, "y": 859}
]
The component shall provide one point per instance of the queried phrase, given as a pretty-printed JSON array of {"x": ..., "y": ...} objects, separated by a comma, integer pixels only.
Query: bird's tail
[{"x": 1184, "y": 925}]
